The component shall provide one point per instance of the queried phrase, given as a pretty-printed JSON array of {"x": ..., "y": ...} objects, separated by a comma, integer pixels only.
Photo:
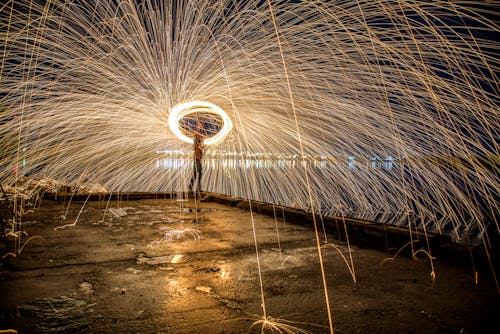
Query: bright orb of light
[{"x": 186, "y": 108}]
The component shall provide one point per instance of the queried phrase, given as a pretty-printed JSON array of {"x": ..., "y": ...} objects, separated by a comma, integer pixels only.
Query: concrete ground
[{"x": 185, "y": 266}]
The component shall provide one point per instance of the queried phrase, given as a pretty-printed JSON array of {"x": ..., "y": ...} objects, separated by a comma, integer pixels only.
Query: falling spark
[
  {"x": 177, "y": 234},
  {"x": 394, "y": 116},
  {"x": 278, "y": 325}
]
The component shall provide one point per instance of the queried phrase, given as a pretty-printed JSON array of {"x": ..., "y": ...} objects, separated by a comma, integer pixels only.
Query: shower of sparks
[{"x": 396, "y": 102}]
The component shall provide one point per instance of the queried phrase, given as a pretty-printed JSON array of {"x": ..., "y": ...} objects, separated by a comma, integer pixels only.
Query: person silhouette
[{"x": 198, "y": 148}]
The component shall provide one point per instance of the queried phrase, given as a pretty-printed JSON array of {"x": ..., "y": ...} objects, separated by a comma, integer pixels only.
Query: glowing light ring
[{"x": 186, "y": 108}]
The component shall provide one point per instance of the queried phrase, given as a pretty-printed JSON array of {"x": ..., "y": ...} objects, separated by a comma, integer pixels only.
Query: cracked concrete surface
[{"x": 185, "y": 266}]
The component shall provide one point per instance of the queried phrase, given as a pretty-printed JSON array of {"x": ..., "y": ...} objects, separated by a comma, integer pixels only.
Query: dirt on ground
[{"x": 188, "y": 266}]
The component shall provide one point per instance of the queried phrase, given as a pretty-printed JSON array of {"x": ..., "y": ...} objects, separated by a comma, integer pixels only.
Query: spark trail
[{"x": 396, "y": 102}]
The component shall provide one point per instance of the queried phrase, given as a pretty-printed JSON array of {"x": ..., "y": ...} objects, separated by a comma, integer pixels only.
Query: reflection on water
[
  {"x": 183, "y": 161},
  {"x": 171, "y": 163}
]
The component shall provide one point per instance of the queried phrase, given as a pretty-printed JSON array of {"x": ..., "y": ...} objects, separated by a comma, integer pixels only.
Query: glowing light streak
[{"x": 193, "y": 107}]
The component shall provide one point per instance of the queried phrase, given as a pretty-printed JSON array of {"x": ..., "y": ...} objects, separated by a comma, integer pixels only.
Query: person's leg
[
  {"x": 198, "y": 173},
  {"x": 192, "y": 182}
]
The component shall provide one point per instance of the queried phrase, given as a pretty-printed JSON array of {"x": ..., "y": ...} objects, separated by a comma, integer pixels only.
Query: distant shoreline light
[{"x": 186, "y": 108}]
